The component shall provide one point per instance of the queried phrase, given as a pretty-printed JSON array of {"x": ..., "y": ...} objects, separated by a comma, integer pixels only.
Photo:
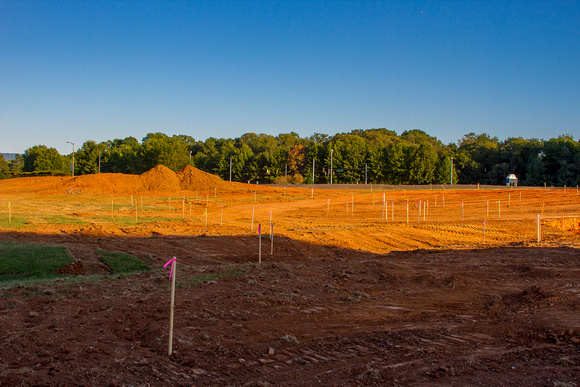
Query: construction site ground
[{"x": 292, "y": 285}]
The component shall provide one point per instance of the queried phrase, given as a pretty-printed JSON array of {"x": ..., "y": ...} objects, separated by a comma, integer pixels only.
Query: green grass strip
[
  {"x": 122, "y": 263},
  {"x": 32, "y": 261}
]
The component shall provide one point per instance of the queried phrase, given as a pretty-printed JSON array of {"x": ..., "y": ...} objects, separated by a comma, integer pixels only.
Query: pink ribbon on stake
[{"x": 170, "y": 261}]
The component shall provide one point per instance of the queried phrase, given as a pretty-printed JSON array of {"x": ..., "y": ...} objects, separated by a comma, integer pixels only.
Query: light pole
[
  {"x": 451, "y": 177},
  {"x": 73, "y": 159},
  {"x": 331, "y": 152},
  {"x": 189, "y": 157}
]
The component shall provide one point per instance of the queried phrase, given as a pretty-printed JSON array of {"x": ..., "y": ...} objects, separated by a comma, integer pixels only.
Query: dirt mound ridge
[
  {"x": 103, "y": 184},
  {"x": 32, "y": 184},
  {"x": 160, "y": 178},
  {"x": 195, "y": 179}
]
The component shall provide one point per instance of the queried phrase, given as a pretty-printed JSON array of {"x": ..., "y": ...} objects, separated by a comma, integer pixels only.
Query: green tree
[
  {"x": 41, "y": 158},
  {"x": 160, "y": 149},
  {"x": 87, "y": 157},
  {"x": 4, "y": 170}
]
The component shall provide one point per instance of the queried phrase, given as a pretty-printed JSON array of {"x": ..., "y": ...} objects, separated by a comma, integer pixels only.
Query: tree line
[{"x": 374, "y": 156}]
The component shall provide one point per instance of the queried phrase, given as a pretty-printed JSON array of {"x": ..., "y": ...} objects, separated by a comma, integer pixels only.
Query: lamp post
[
  {"x": 73, "y": 159},
  {"x": 331, "y": 152},
  {"x": 451, "y": 177}
]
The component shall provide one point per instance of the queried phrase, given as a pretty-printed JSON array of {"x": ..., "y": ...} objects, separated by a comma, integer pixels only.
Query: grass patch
[
  {"x": 32, "y": 261},
  {"x": 15, "y": 222},
  {"x": 200, "y": 279},
  {"x": 122, "y": 263},
  {"x": 63, "y": 219}
]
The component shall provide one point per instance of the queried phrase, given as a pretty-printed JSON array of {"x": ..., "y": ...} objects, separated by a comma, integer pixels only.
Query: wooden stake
[
  {"x": 327, "y": 206},
  {"x": 498, "y": 209},
  {"x": 418, "y": 211},
  {"x": 383, "y": 212},
  {"x": 205, "y": 220},
  {"x": 172, "y": 308},
  {"x": 539, "y": 229},
  {"x": 272, "y": 239},
  {"x": 259, "y": 243}
]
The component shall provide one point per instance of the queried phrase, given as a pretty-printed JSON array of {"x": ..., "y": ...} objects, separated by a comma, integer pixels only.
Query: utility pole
[
  {"x": 73, "y": 159},
  {"x": 365, "y": 173},
  {"x": 331, "y": 152},
  {"x": 451, "y": 178}
]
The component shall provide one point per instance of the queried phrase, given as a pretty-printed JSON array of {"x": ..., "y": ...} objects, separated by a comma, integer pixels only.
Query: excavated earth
[{"x": 354, "y": 287}]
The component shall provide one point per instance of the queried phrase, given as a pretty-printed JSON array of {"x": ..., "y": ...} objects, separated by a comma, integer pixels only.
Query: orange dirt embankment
[{"x": 158, "y": 179}]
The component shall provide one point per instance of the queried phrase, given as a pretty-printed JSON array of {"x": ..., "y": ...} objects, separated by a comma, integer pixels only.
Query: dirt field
[{"x": 350, "y": 296}]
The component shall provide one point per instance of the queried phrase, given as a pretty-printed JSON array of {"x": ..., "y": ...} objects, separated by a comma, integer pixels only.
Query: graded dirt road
[{"x": 368, "y": 296}]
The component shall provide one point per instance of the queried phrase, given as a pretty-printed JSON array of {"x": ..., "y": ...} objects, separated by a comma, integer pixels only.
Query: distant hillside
[{"x": 9, "y": 156}]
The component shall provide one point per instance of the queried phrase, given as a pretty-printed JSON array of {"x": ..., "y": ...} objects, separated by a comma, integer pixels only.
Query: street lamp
[
  {"x": 451, "y": 177},
  {"x": 331, "y": 152},
  {"x": 73, "y": 159}
]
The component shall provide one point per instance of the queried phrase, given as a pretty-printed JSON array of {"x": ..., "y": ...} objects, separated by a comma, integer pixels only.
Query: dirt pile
[
  {"x": 195, "y": 179},
  {"x": 103, "y": 184},
  {"x": 158, "y": 179}
]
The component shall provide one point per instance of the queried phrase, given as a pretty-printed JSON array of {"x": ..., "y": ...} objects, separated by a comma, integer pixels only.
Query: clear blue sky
[{"x": 100, "y": 70}]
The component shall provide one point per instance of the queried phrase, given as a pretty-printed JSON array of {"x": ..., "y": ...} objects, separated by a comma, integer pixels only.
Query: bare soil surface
[{"x": 358, "y": 298}]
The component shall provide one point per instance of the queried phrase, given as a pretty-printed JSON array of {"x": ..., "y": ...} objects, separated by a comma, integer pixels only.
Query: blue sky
[{"x": 100, "y": 70}]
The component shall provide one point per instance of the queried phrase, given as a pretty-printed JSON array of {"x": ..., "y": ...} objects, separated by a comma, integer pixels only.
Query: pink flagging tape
[{"x": 170, "y": 261}]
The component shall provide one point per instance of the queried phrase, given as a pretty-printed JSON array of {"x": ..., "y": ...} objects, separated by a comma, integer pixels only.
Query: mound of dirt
[
  {"x": 103, "y": 183},
  {"x": 194, "y": 179},
  {"x": 28, "y": 184},
  {"x": 160, "y": 178}
]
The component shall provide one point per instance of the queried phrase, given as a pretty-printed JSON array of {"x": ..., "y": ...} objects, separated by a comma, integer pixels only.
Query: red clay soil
[{"x": 340, "y": 302}]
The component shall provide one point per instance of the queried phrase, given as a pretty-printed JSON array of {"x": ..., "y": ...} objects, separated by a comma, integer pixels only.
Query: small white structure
[{"x": 511, "y": 180}]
